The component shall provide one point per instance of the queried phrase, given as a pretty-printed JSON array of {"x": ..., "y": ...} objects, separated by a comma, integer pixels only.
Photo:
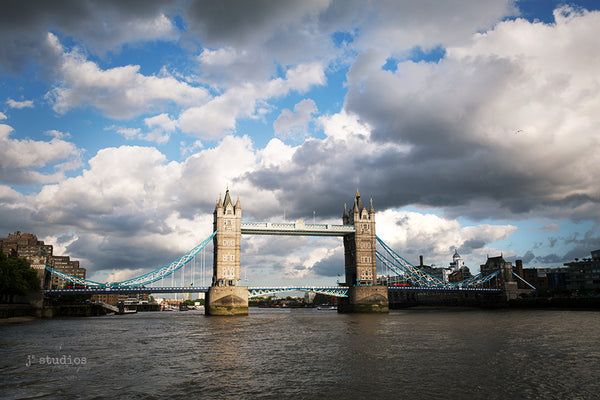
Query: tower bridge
[{"x": 226, "y": 295}]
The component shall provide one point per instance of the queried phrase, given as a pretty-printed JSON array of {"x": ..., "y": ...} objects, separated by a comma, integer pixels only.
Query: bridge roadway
[{"x": 339, "y": 291}]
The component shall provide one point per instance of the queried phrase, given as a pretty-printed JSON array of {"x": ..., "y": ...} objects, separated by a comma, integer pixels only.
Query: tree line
[{"x": 17, "y": 278}]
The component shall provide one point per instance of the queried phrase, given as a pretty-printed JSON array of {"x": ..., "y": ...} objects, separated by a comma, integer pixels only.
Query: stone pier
[
  {"x": 226, "y": 300},
  {"x": 365, "y": 299}
]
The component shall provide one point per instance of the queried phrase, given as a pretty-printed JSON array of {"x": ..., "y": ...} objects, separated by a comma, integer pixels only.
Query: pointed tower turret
[
  {"x": 359, "y": 203},
  {"x": 227, "y": 200}
]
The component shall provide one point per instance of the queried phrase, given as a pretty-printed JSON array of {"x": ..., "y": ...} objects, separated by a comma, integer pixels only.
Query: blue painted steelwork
[
  {"x": 141, "y": 280},
  {"x": 75, "y": 280},
  {"x": 421, "y": 280},
  {"x": 413, "y": 275},
  {"x": 336, "y": 291},
  {"x": 125, "y": 290},
  {"x": 478, "y": 279},
  {"x": 523, "y": 280},
  {"x": 455, "y": 289},
  {"x": 401, "y": 267}
]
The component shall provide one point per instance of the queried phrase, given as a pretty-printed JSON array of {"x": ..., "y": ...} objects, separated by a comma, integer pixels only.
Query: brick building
[{"x": 39, "y": 255}]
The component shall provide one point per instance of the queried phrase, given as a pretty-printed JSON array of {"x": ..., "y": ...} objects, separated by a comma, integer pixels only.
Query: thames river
[{"x": 306, "y": 354}]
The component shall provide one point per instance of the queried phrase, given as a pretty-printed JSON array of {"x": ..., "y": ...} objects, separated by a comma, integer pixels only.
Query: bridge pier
[
  {"x": 226, "y": 300},
  {"x": 365, "y": 299}
]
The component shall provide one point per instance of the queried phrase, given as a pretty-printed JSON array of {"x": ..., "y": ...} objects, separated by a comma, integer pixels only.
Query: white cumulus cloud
[
  {"x": 19, "y": 104},
  {"x": 119, "y": 92},
  {"x": 294, "y": 124}
]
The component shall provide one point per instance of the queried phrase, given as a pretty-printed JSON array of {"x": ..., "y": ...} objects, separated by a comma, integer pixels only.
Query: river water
[{"x": 306, "y": 354}]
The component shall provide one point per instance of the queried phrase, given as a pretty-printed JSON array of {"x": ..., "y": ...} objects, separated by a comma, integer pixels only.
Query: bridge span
[
  {"x": 362, "y": 290},
  {"x": 337, "y": 291}
]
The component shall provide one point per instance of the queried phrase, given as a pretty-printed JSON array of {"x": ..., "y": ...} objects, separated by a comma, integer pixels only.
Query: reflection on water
[{"x": 308, "y": 354}]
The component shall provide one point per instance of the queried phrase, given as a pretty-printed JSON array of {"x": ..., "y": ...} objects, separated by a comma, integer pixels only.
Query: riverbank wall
[{"x": 401, "y": 300}]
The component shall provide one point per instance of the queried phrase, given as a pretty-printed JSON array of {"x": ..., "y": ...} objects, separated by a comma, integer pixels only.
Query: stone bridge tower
[
  {"x": 225, "y": 296},
  {"x": 364, "y": 295}
]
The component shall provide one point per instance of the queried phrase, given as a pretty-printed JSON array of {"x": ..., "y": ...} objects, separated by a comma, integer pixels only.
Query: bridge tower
[
  {"x": 364, "y": 295},
  {"x": 225, "y": 295}
]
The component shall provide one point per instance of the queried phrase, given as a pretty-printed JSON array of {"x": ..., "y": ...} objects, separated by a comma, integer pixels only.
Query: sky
[{"x": 472, "y": 125}]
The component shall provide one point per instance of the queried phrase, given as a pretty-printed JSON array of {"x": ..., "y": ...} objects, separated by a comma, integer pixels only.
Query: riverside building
[
  {"x": 39, "y": 255},
  {"x": 584, "y": 275}
]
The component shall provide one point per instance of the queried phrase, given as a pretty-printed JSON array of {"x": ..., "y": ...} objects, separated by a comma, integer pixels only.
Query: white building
[{"x": 457, "y": 262}]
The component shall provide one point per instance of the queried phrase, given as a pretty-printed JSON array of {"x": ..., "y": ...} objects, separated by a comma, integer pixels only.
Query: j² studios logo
[{"x": 59, "y": 359}]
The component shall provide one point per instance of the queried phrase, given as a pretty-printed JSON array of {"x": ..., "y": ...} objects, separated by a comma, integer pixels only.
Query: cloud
[
  {"x": 161, "y": 127},
  {"x": 294, "y": 124},
  {"x": 162, "y": 122},
  {"x": 9, "y": 195},
  {"x": 399, "y": 26},
  {"x": 414, "y": 233},
  {"x": 528, "y": 257},
  {"x": 325, "y": 172},
  {"x": 58, "y": 134},
  {"x": 100, "y": 26},
  {"x": 20, "y": 159},
  {"x": 19, "y": 104},
  {"x": 552, "y": 227},
  {"x": 460, "y": 117},
  {"x": 118, "y": 275},
  {"x": 128, "y": 133},
  {"x": 218, "y": 117},
  {"x": 247, "y": 42},
  {"x": 2, "y": 116},
  {"x": 134, "y": 197},
  {"x": 500, "y": 127},
  {"x": 120, "y": 92}
]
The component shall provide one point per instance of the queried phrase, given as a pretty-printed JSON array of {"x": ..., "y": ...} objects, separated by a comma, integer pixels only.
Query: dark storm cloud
[
  {"x": 473, "y": 244},
  {"x": 113, "y": 252},
  {"x": 331, "y": 266},
  {"x": 326, "y": 175},
  {"x": 322, "y": 178},
  {"x": 527, "y": 258},
  {"x": 24, "y": 26},
  {"x": 239, "y": 22},
  {"x": 579, "y": 247},
  {"x": 460, "y": 121}
]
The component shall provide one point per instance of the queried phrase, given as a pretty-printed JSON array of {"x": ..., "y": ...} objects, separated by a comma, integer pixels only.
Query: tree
[{"x": 17, "y": 278}]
